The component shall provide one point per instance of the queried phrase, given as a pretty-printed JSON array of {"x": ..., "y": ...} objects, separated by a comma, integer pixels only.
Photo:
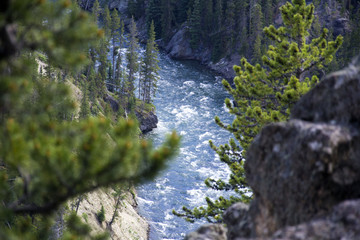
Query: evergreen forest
[{"x": 223, "y": 25}]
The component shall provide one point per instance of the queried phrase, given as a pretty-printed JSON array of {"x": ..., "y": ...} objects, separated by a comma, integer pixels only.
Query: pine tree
[
  {"x": 46, "y": 161},
  {"x": 96, "y": 11},
  {"x": 265, "y": 94},
  {"x": 217, "y": 51},
  {"x": 115, "y": 37},
  {"x": 167, "y": 18},
  {"x": 132, "y": 57},
  {"x": 181, "y": 8},
  {"x": 131, "y": 8},
  {"x": 103, "y": 67},
  {"x": 93, "y": 91},
  {"x": 256, "y": 32},
  {"x": 195, "y": 25},
  {"x": 149, "y": 69},
  {"x": 107, "y": 22},
  {"x": 154, "y": 13},
  {"x": 208, "y": 17},
  {"x": 84, "y": 108},
  {"x": 218, "y": 14},
  {"x": 228, "y": 34},
  {"x": 136, "y": 8},
  {"x": 118, "y": 67}
]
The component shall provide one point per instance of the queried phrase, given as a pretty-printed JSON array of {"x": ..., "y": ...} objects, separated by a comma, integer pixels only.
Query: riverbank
[{"x": 178, "y": 48}]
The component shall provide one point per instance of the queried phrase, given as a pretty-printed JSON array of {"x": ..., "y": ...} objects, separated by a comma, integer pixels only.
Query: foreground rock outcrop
[
  {"x": 305, "y": 173},
  {"x": 342, "y": 223}
]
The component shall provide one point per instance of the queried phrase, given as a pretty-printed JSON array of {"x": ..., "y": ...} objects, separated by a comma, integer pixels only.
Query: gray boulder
[
  {"x": 179, "y": 45},
  {"x": 208, "y": 232},
  {"x": 335, "y": 100},
  {"x": 238, "y": 221},
  {"x": 343, "y": 223},
  {"x": 148, "y": 121},
  {"x": 113, "y": 102}
]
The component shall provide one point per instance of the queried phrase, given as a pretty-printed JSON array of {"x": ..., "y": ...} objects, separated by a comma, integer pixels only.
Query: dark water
[{"x": 187, "y": 100}]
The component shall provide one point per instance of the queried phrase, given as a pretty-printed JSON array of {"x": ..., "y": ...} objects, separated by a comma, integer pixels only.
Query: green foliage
[
  {"x": 154, "y": 15},
  {"x": 46, "y": 159},
  {"x": 116, "y": 39},
  {"x": 136, "y": 8},
  {"x": 103, "y": 67},
  {"x": 85, "y": 108},
  {"x": 167, "y": 19},
  {"x": 149, "y": 69},
  {"x": 257, "y": 26},
  {"x": 228, "y": 27},
  {"x": 265, "y": 94},
  {"x": 107, "y": 22},
  {"x": 195, "y": 25},
  {"x": 96, "y": 11},
  {"x": 101, "y": 215},
  {"x": 132, "y": 57},
  {"x": 85, "y": 217},
  {"x": 76, "y": 229}
]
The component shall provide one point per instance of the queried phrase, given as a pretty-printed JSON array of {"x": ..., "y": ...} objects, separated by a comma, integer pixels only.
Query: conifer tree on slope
[
  {"x": 132, "y": 57},
  {"x": 115, "y": 39},
  {"x": 265, "y": 94},
  {"x": 96, "y": 11},
  {"x": 103, "y": 49},
  {"x": 107, "y": 22},
  {"x": 44, "y": 161},
  {"x": 149, "y": 69},
  {"x": 167, "y": 18},
  {"x": 119, "y": 72},
  {"x": 153, "y": 13},
  {"x": 195, "y": 25},
  {"x": 84, "y": 107}
]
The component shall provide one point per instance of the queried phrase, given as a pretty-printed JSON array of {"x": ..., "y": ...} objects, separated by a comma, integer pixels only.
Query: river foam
[{"x": 188, "y": 99}]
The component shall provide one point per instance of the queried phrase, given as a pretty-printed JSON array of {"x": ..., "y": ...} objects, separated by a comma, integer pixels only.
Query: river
[{"x": 187, "y": 100}]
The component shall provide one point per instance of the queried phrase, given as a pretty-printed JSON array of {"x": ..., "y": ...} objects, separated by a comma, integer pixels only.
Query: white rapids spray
[{"x": 187, "y": 100}]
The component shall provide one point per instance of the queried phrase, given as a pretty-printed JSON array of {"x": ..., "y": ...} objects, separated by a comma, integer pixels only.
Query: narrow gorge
[{"x": 188, "y": 98}]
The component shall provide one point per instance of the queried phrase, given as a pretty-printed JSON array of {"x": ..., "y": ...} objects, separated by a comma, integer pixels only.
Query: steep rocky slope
[{"x": 127, "y": 225}]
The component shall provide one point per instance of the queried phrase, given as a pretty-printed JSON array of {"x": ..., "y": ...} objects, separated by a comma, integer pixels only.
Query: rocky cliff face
[
  {"x": 127, "y": 223},
  {"x": 305, "y": 173}
]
